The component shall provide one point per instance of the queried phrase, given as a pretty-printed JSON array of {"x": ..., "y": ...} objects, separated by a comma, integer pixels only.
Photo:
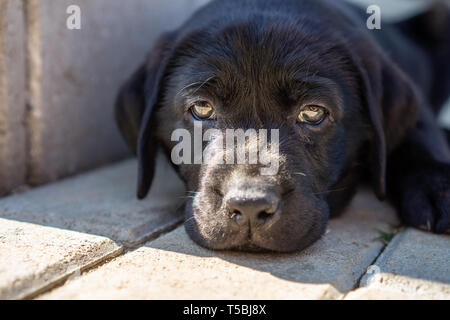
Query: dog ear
[
  {"x": 392, "y": 102},
  {"x": 135, "y": 105},
  {"x": 130, "y": 106}
]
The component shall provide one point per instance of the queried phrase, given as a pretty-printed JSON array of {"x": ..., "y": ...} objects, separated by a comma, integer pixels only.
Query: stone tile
[
  {"x": 103, "y": 202},
  {"x": 12, "y": 96},
  {"x": 74, "y": 76},
  {"x": 173, "y": 267},
  {"x": 34, "y": 257},
  {"x": 379, "y": 294},
  {"x": 415, "y": 264}
]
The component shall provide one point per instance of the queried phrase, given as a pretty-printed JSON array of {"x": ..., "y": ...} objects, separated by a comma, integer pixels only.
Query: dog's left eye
[
  {"x": 203, "y": 110},
  {"x": 312, "y": 114}
]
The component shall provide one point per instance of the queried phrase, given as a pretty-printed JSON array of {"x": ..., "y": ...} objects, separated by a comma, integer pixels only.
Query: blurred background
[{"x": 57, "y": 86}]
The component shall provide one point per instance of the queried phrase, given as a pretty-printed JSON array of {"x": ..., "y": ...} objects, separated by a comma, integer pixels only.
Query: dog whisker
[
  {"x": 330, "y": 191},
  {"x": 189, "y": 219},
  {"x": 187, "y": 197},
  {"x": 187, "y": 87},
  {"x": 201, "y": 84}
]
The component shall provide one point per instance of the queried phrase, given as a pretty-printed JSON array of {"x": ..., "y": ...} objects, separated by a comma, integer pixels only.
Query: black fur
[{"x": 258, "y": 62}]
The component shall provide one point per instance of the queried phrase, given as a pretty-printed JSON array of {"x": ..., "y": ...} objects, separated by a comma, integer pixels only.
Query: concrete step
[
  {"x": 50, "y": 232},
  {"x": 173, "y": 267}
]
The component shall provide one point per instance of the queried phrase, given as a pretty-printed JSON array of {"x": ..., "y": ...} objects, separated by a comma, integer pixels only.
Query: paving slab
[
  {"x": 173, "y": 267},
  {"x": 380, "y": 294},
  {"x": 34, "y": 257},
  {"x": 416, "y": 264},
  {"x": 103, "y": 202}
]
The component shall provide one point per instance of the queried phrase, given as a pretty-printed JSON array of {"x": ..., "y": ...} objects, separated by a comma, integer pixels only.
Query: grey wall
[
  {"x": 68, "y": 79},
  {"x": 12, "y": 96}
]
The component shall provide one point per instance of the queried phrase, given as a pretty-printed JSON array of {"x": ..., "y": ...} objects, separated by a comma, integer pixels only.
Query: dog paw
[{"x": 425, "y": 199}]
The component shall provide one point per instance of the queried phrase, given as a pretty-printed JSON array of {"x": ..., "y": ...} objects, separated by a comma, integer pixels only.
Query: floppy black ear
[
  {"x": 392, "y": 102},
  {"x": 130, "y": 107},
  {"x": 135, "y": 105}
]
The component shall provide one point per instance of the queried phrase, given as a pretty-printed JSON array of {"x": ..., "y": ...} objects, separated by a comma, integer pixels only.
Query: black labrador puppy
[{"x": 349, "y": 103}]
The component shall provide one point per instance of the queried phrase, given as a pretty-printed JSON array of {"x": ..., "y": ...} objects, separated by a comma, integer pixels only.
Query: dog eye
[
  {"x": 312, "y": 114},
  {"x": 203, "y": 110}
]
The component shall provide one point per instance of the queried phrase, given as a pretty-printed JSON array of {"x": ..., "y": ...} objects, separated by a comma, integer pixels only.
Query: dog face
[
  {"x": 306, "y": 84},
  {"x": 263, "y": 80}
]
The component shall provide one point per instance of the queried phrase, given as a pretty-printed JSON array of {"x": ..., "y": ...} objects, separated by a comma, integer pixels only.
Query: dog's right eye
[
  {"x": 312, "y": 114},
  {"x": 203, "y": 110}
]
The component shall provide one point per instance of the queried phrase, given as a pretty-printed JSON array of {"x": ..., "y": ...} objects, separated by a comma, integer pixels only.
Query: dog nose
[{"x": 256, "y": 210}]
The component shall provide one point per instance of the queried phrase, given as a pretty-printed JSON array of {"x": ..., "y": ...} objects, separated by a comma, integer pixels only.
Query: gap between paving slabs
[
  {"x": 173, "y": 267},
  {"x": 415, "y": 265},
  {"x": 51, "y": 231}
]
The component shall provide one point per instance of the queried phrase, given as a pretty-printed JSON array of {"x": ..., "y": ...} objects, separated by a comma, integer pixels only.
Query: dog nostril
[
  {"x": 235, "y": 215},
  {"x": 264, "y": 215}
]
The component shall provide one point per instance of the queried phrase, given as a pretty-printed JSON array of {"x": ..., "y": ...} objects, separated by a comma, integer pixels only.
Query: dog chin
[
  {"x": 242, "y": 242},
  {"x": 250, "y": 247}
]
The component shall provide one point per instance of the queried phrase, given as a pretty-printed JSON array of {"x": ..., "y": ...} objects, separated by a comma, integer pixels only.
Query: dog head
[{"x": 326, "y": 103}]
